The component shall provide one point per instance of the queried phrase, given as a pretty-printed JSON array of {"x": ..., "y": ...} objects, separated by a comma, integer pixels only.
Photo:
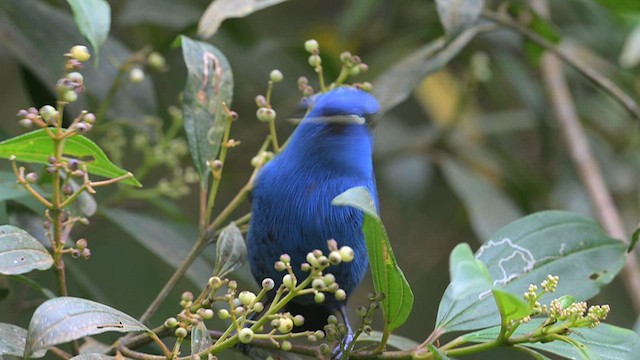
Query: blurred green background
[{"x": 486, "y": 117}]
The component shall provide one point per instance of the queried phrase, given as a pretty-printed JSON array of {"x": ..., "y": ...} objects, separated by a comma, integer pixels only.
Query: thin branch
[
  {"x": 594, "y": 76},
  {"x": 588, "y": 168}
]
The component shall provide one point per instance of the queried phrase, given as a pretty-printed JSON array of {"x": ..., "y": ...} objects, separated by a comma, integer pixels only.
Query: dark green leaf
[
  {"x": 458, "y": 15},
  {"x": 220, "y": 10},
  {"x": 45, "y": 59},
  {"x": 395, "y": 341},
  {"x": 604, "y": 342},
  {"x": 468, "y": 275},
  {"x": 64, "y": 319},
  {"x": 487, "y": 206},
  {"x": 9, "y": 188},
  {"x": 231, "y": 251},
  {"x": 437, "y": 354},
  {"x": 634, "y": 239},
  {"x": 12, "y": 341},
  {"x": 93, "y": 18},
  {"x": 172, "y": 14},
  {"x": 397, "y": 83},
  {"x": 37, "y": 146},
  {"x": 525, "y": 252},
  {"x": 20, "y": 252},
  {"x": 510, "y": 306},
  {"x": 387, "y": 276},
  {"x": 200, "y": 338},
  {"x": 162, "y": 238},
  {"x": 209, "y": 88}
]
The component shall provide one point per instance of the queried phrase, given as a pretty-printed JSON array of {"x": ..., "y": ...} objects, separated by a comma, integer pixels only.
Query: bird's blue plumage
[{"x": 291, "y": 201}]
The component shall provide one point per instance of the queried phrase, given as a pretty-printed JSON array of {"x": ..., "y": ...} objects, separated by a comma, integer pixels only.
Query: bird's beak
[{"x": 339, "y": 119}]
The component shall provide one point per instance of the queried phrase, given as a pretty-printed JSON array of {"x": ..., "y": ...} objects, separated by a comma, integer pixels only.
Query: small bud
[
  {"x": 234, "y": 115},
  {"x": 280, "y": 266},
  {"x": 276, "y": 76},
  {"x": 345, "y": 57},
  {"x": 223, "y": 314},
  {"x": 319, "y": 298},
  {"x": 312, "y": 338},
  {"x": 205, "y": 313},
  {"x": 332, "y": 319},
  {"x": 285, "y": 326},
  {"x": 265, "y": 114},
  {"x": 76, "y": 77},
  {"x": 315, "y": 60},
  {"x": 323, "y": 261},
  {"x": 136, "y": 75},
  {"x": 82, "y": 127},
  {"x": 268, "y": 284},
  {"x": 286, "y": 345},
  {"x": 81, "y": 244},
  {"x": 51, "y": 159},
  {"x": 67, "y": 189},
  {"x": 246, "y": 297},
  {"x": 156, "y": 61},
  {"x": 305, "y": 267},
  {"x": 215, "y": 282},
  {"x": 258, "y": 307},
  {"x": 298, "y": 320},
  {"x": 329, "y": 279},
  {"x": 366, "y": 86},
  {"x": 187, "y": 296},
  {"x": 361, "y": 311},
  {"x": 340, "y": 295},
  {"x": 25, "y": 123},
  {"x": 80, "y": 53},
  {"x": 335, "y": 258},
  {"x": 285, "y": 258},
  {"x": 22, "y": 113},
  {"x": 318, "y": 284},
  {"x": 233, "y": 285},
  {"x": 245, "y": 335},
  {"x": 89, "y": 118},
  {"x": 75, "y": 253},
  {"x": 171, "y": 322},
  {"x": 354, "y": 71},
  {"x": 86, "y": 253},
  {"x": 181, "y": 333},
  {"x": 261, "y": 101},
  {"x": 73, "y": 164},
  {"x": 31, "y": 177},
  {"x": 347, "y": 253},
  {"x": 311, "y": 46},
  {"x": 47, "y": 112},
  {"x": 289, "y": 281},
  {"x": 311, "y": 259},
  {"x": 70, "y": 96},
  {"x": 217, "y": 164}
]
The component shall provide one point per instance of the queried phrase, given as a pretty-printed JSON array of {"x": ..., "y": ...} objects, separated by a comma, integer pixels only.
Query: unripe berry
[
  {"x": 181, "y": 332},
  {"x": 361, "y": 311},
  {"x": 258, "y": 307},
  {"x": 319, "y": 298},
  {"x": 75, "y": 77},
  {"x": 335, "y": 257},
  {"x": 315, "y": 60},
  {"x": 298, "y": 320},
  {"x": 31, "y": 177},
  {"x": 285, "y": 326},
  {"x": 265, "y": 114},
  {"x": 136, "y": 75},
  {"x": 81, "y": 244},
  {"x": 276, "y": 76},
  {"x": 215, "y": 282},
  {"x": 280, "y": 266},
  {"x": 340, "y": 295},
  {"x": 268, "y": 284},
  {"x": 187, "y": 296},
  {"x": 86, "y": 253},
  {"x": 25, "y": 123},
  {"x": 246, "y": 297},
  {"x": 345, "y": 57},
  {"x": 223, "y": 314},
  {"x": 171, "y": 322},
  {"x": 332, "y": 319},
  {"x": 354, "y": 71},
  {"x": 245, "y": 335},
  {"x": 285, "y": 258},
  {"x": 329, "y": 279},
  {"x": 80, "y": 53},
  {"x": 206, "y": 313},
  {"x": 347, "y": 253},
  {"x": 70, "y": 96},
  {"x": 89, "y": 118},
  {"x": 311, "y": 46},
  {"x": 318, "y": 284},
  {"x": 67, "y": 189},
  {"x": 156, "y": 61},
  {"x": 261, "y": 101},
  {"x": 286, "y": 345},
  {"x": 47, "y": 112},
  {"x": 289, "y": 281},
  {"x": 312, "y": 338}
]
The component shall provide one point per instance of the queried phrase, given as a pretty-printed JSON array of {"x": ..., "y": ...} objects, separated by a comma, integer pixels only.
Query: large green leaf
[
  {"x": 64, "y": 319},
  {"x": 525, "y": 252},
  {"x": 37, "y": 147},
  {"x": 231, "y": 251},
  {"x": 220, "y": 10},
  {"x": 209, "y": 87},
  {"x": 93, "y": 18},
  {"x": 12, "y": 341},
  {"x": 468, "y": 275},
  {"x": 20, "y": 252},
  {"x": 387, "y": 276},
  {"x": 604, "y": 342}
]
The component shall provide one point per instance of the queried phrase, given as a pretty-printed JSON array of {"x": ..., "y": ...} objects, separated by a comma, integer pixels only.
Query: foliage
[{"x": 474, "y": 75}]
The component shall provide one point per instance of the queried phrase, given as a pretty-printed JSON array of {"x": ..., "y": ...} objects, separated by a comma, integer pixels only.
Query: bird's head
[{"x": 335, "y": 132}]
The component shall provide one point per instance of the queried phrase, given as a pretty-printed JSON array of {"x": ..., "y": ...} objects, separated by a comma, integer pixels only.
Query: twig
[
  {"x": 598, "y": 79},
  {"x": 586, "y": 164}
]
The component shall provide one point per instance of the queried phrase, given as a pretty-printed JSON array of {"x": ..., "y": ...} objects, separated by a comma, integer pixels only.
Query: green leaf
[
  {"x": 606, "y": 342},
  {"x": 220, "y": 10},
  {"x": 36, "y": 147},
  {"x": 387, "y": 276},
  {"x": 209, "y": 87},
  {"x": 468, "y": 275},
  {"x": 634, "y": 239},
  {"x": 395, "y": 341},
  {"x": 12, "y": 341},
  {"x": 200, "y": 338},
  {"x": 545, "y": 29},
  {"x": 20, "y": 252},
  {"x": 396, "y": 84},
  {"x": 510, "y": 306},
  {"x": 231, "y": 251},
  {"x": 163, "y": 238},
  {"x": 458, "y": 15},
  {"x": 9, "y": 187},
  {"x": 93, "y": 18},
  {"x": 525, "y": 252},
  {"x": 437, "y": 354},
  {"x": 64, "y": 319},
  {"x": 487, "y": 206}
]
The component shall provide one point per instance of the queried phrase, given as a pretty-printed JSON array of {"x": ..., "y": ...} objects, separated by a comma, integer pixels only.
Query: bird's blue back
[{"x": 291, "y": 201}]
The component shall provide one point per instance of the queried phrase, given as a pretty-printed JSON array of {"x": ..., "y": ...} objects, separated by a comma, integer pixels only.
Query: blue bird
[{"x": 328, "y": 153}]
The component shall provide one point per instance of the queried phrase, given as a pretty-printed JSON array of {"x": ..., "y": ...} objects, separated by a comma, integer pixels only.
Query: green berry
[
  {"x": 47, "y": 112},
  {"x": 285, "y": 325},
  {"x": 206, "y": 313},
  {"x": 315, "y": 60},
  {"x": 298, "y": 320},
  {"x": 246, "y": 297},
  {"x": 136, "y": 75},
  {"x": 286, "y": 345},
  {"x": 347, "y": 253},
  {"x": 289, "y": 281},
  {"x": 311, "y": 46},
  {"x": 335, "y": 257},
  {"x": 223, "y": 314},
  {"x": 75, "y": 77},
  {"x": 318, "y": 284},
  {"x": 171, "y": 322},
  {"x": 319, "y": 298},
  {"x": 156, "y": 61},
  {"x": 340, "y": 295},
  {"x": 276, "y": 76},
  {"x": 268, "y": 284},
  {"x": 80, "y": 53},
  {"x": 245, "y": 335},
  {"x": 265, "y": 114},
  {"x": 70, "y": 96},
  {"x": 181, "y": 332},
  {"x": 258, "y": 307}
]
